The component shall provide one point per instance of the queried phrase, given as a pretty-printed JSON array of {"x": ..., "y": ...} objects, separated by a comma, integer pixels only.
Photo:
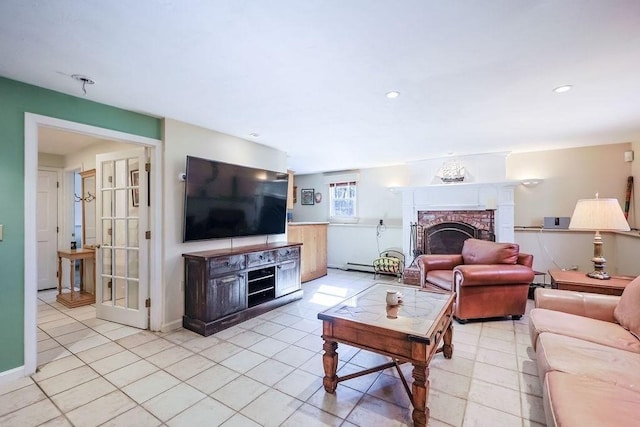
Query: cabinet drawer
[
  {"x": 221, "y": 265},
  {"x": 260, "y": 258},
  {"x": 286, "y": 254}
]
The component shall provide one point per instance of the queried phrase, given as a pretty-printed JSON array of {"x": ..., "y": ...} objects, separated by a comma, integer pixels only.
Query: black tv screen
[{"x": 224, "y": 200}]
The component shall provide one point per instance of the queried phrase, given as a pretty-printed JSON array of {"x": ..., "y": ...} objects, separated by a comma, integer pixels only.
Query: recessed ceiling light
[
  {"x": 254, "y": 135},
  {"x": 562, "y": 89},
  {"x": 393, "y": 94}
]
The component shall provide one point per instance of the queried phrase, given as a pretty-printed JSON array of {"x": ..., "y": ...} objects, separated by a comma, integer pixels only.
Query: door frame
[{"x": 31, "y": 124}]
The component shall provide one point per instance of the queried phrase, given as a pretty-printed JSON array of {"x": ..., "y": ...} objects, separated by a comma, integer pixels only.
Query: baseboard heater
[{"x": 359, "y": 267}]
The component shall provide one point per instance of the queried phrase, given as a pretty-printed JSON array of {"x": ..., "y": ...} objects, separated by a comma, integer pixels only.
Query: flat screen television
[{"x": 224, "y": 200}]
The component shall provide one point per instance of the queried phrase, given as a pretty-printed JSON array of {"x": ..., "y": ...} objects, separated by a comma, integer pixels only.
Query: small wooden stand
[{"x": 75, "y": 298}]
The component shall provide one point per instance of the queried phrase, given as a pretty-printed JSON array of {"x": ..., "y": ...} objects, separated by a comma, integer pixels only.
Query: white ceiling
[{"x": 309, "y": 76}]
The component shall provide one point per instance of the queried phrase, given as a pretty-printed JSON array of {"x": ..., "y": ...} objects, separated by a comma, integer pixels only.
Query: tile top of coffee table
[{"x": 414, "y": 316}]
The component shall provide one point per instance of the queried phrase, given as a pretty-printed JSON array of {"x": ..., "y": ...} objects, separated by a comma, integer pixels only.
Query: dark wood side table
[{"x": 571, "y": 280}]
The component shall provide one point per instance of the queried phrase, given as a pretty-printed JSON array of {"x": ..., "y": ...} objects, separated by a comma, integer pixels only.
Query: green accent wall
[{"x": 16, "y": 99}]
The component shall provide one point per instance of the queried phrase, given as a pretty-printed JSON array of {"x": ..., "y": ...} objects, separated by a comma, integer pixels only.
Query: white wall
[
  {"x": 569, "y": 175},
  {"x": 51, "y": 160},
  {"x": 182, "y": 139},
  {"x": 375, "y": 201}
]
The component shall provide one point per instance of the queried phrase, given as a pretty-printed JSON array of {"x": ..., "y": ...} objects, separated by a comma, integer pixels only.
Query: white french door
[{"x": 122, "y": 253}]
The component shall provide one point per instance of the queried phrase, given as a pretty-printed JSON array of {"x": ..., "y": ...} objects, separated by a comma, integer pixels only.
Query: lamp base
[{"x": 601, "y": 275}]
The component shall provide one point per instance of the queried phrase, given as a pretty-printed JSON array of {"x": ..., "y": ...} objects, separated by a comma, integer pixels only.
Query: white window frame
[{"x": 341, "y": 179}]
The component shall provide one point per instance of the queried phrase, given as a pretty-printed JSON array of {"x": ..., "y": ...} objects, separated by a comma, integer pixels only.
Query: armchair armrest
[
  {"x": 595, "y": 306},
  {"x": 493, "y": 274},
  {"x": 436, "y": 262}
]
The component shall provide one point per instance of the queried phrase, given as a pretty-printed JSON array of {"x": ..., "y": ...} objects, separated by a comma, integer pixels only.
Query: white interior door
[
  {"x": 122, "y": 285},
  {"x": 47, "y": 229}
]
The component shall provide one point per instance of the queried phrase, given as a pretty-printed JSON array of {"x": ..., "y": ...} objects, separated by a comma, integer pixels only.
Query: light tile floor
[{"x": 266, "y": 371}]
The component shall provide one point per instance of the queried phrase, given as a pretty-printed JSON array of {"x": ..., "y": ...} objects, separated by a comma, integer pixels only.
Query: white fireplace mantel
[{"x": 459, "y": 196}]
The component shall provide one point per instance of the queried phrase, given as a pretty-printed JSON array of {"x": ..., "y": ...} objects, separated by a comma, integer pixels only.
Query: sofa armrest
[
  {"x": 493, "y": 274},
  {"x": 436, "y": 262},
  {"x": 595, "y": 306}
]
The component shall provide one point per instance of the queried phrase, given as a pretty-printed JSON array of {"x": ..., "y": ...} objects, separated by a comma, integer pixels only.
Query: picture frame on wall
[{"x": 306, "y": 196}]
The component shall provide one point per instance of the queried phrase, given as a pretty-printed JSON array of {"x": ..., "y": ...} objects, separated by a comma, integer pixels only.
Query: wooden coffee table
[
  {"x": 409, "y": 332},
  {"x": 579, "y": 281}
]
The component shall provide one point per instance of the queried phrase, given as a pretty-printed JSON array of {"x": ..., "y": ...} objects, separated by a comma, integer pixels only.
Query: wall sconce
[{"x": 531, "y": 182}]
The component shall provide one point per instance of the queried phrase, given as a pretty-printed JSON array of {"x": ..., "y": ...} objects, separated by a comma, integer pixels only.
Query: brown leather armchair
[{"x": 490, "y": 279}]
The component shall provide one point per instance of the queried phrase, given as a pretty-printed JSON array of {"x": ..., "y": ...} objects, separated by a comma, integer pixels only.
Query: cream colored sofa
[{"x": 588, "y": 354}]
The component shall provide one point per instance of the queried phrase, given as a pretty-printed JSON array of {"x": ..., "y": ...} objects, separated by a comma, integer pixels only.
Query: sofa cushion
[
  {"x": 475, "y": 251},
  {"x": 441, "y": 278},
  {"x": 587, "y": 359},
  {"x": 597, "y": 331},
  {"x": 570, "y": 400},
  {"x": 627, "y": 312}
]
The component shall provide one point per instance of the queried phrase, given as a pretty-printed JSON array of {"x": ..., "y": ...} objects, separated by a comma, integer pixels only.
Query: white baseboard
[
  {"x": 12, "y": 375},
  {"x": 171, "y": 326}
]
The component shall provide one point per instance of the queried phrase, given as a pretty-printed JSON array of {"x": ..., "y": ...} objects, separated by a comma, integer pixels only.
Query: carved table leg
[
  {"x": 420, "y": 391},
  {"x": 330, "y": 363},
  {"x": 447, "y": 347}
]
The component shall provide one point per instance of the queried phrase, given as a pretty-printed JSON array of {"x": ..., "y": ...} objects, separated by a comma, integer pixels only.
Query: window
[{"x": 342, "y": 201}]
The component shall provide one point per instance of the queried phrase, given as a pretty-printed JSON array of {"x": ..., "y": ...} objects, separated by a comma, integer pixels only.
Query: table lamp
[{"x": 598, "y": 215}]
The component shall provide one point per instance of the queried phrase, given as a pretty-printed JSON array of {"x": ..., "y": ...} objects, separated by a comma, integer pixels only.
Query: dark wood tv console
[{"x": 227, "y": 286}]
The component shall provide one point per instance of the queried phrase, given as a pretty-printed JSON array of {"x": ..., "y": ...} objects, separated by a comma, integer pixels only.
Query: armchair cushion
[
  {"x": 441, "y": 278},
  {"x": 627, "y": 312},
  {"x": 477, "y": 251}
]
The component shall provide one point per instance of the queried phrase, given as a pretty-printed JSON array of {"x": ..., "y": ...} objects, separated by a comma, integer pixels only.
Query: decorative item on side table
[
  {"x": 598, "y": 215},
  {"x": 307, "y": 196}
]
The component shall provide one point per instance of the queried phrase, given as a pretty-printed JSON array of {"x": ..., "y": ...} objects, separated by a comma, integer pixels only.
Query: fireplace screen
[{"x": 448, "y": 237}]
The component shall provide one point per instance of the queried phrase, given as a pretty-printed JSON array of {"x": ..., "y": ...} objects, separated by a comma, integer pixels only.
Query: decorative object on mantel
[
  {"x": 306, "y": 196},
  {"x": 598, "y": 215},
  {"x": 451, "y": 171},
  {"x": 318, "y": 197}
]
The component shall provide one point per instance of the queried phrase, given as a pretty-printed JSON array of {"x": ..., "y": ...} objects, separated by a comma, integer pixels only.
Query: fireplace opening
[{"x": 449, "y": 237}]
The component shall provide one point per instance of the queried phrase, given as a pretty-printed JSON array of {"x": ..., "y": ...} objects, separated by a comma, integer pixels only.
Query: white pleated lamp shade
[{"x": 598, "y": 215}]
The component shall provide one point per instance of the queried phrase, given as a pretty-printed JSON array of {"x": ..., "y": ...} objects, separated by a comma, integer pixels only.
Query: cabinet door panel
[
  {"x": 288, "y": 277},
  {"x": 226, "y": 295}
]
